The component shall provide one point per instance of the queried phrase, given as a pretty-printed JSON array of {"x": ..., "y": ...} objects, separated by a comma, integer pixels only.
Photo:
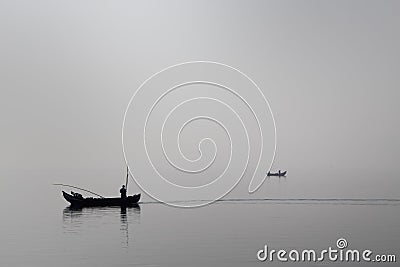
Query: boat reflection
[{"x": 81, "y": 220}]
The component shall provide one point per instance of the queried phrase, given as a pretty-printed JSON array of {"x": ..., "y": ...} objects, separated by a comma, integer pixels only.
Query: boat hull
[
  {"x": 101, "y": 202},
  {"x": 277, "y": 174}
]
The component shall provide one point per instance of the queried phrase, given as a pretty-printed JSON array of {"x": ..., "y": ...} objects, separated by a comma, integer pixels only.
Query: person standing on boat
[{"x": 123, "y": 192}]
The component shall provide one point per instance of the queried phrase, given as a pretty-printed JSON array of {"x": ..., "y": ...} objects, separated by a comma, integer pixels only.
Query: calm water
[{"x": 38, "y": 232}]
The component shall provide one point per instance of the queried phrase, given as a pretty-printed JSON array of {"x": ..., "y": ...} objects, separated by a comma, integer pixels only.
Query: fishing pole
[{"x": 67, "y": 185}]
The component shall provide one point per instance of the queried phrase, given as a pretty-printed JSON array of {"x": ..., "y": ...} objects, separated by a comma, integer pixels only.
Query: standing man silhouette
[{"x": 123, "y": 192}]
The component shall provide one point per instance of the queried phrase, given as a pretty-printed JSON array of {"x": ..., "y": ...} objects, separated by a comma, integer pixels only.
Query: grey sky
[{"x": 329, "y": 69}]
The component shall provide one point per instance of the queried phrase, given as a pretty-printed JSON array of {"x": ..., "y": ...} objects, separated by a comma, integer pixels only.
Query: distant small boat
[
  {"x": 79, "y": 201},
  {"x": 279, "y": 174}
]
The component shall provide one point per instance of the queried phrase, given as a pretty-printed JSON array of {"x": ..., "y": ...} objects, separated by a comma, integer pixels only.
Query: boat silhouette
[
  {"x": 279, "y": 173},
  {"x": 79, "y": 201}
]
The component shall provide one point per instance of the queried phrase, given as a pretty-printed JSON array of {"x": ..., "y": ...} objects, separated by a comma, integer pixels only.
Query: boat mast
[{"x": 126, "y": 183}]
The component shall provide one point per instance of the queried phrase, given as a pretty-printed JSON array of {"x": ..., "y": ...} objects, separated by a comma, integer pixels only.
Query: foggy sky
[{"x": 329, "y": 69}]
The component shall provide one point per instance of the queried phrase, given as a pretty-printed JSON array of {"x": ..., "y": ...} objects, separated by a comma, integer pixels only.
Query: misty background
[{"x": 330, "y": 71}]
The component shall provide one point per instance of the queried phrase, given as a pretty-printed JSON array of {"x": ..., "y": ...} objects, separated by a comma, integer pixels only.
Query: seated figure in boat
[
  {"x": 77, "y": 195},
  {"x": 123, "y": 191}
]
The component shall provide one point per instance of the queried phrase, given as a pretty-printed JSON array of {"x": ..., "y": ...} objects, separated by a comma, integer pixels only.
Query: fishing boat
[
  {"x": 279, "y": 174},
  {"x": 79, "y": 201}
]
